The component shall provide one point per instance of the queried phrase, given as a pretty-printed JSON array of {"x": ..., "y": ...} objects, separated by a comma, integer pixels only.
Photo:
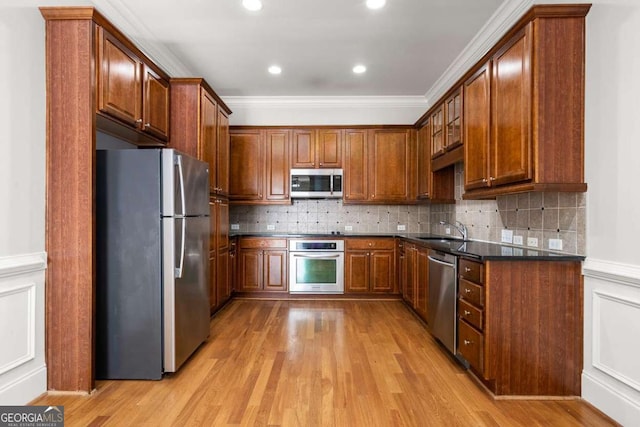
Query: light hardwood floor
[{"x": 315, "y": 363}]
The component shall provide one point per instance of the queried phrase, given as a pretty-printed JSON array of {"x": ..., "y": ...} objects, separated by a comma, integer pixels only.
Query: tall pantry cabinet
[{"x": 200, "y": 128}]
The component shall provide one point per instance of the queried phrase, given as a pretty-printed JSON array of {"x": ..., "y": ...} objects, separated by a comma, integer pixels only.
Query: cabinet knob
[
  {"x": 467, "y": 312},
  {"x": 467, "y": 269},
  {"x": 372, "y": 196},
  {"x": 313, "y": 163},
  {"x": 467, "y": 291},
  {"x": 491, "y": 178},
  {"x": 484, "y": 180},
  {"x": 147, "y": 125},
  {"x": 139, "y": 121},
  {"x": 370, "y": 244},
  {"x": 320, "y": 164},
  {"x": 467, "y": 342}
]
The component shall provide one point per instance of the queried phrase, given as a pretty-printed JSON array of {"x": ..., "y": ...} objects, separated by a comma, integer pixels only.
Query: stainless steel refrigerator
[{"x": 152, "y": 234}]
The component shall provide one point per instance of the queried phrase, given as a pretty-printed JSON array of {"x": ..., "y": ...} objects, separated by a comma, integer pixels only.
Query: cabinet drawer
[
  {"x": 471, "y": 292},
  {"x": 471, "y": 346},
  {"x": 370, "y": 243},
  {"x": 251, "y": 243},
  {"x": 470, "y": 313},
  {"x": 471, "y": 270}
]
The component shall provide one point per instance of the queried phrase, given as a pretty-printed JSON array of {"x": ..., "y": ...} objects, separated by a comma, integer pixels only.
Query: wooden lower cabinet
[
  {"x": 212, "y": 281},
  {"x": 262, "y": 265},
  {"x": 223, "y": 288},
  {"x": 370, "y": 266},
  {"x": 415, "y": 278},
  {"x": 520, "y": 325}
]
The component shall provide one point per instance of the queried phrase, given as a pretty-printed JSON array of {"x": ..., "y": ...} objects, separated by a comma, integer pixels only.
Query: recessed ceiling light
[
  {"x": 252, "y": 4},
  {"x": 359, "y": 69},
  {"x": 274, "y": 69},
  {"x": 376, "y": 4}
]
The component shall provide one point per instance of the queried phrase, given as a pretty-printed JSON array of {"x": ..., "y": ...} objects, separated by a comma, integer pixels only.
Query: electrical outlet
[
  {"x": 402, "y": 227},
  {"x": 348, "y": 228},
  {"x": 517, "y": 240},
  {"x": 447, "y": 230},
  {"x": 555, "y": 244},
  {"x": 271, "y": 227},
  {"x": 507, "y": 236},
  {"x": 533, "y": 242},
  {"x": 235, "y": 226}
]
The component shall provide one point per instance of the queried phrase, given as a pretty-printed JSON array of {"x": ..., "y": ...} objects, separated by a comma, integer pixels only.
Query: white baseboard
[
  {"x": 610, "y": 400},
  {"x": 21, "y": 390}
]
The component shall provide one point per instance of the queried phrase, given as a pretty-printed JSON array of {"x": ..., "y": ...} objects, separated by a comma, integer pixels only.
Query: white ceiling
[{"x": 406, "y": 46}]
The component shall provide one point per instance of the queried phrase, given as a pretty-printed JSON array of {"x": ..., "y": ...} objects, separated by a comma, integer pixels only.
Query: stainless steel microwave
[{"x": 316, "y": 183}]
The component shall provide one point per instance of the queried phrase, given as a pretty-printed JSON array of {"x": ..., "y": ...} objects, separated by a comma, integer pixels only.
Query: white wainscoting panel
[
  {"x": 18, "y": 317},
  {"x": 23, "y": 373},
  {"x": 611, "y": 374}
]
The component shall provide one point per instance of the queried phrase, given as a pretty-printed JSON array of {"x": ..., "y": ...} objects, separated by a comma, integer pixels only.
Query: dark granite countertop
[{"x": 471, "y": 249}]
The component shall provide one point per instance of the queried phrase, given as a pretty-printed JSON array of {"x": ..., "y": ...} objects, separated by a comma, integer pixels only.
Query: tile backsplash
[
  {"x": 542, "y": 216},
  {"x": 325, "y": 216}
]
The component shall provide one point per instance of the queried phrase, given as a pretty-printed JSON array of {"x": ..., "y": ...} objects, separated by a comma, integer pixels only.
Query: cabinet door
[
  {"x": 246, "y": 165},
  {"x": 356, "y": 271},
  {"x": 155, "y": 104},
  {"x": 453, "y": 115},
  {"x": 422, "y": 283},
  {"x": 382, "y": 266},
  {"x": 275, "y": 271},
  {"x": 222, "y": 225},
  {"x": 207, "y": 152},
  {"x": 212, "y": 281},
  {"x": 277, "y": 147},
  {"x": 477, "y": 116},
  {"x": 303, "y": 149},
  {"x": 250, "y": 270},
  {"x": 511, "y": 108},
  {"x": 213, "y": 224},
  {"x": 410, "y": 284},
  {"x": 119, "y": 93},
  {"x": 437, "y": 132},
  {"x": 222, "y": 164},
  {"x": 390, "y": 165},
  {"x": 223, "y": 286},
  {"x": 355, "y": 165},
  {"x": 424, "y": 161},
  {"x": 329, "y": 148}
]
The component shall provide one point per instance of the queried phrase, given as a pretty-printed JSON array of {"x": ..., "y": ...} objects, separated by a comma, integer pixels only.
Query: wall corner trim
[
  {"x": 22, "y": 264},
  {"x": 611, "y": 271}
]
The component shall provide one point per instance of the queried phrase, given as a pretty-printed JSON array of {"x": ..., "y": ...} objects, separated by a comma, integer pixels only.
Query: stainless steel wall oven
[{"x": 316, "y": 266}]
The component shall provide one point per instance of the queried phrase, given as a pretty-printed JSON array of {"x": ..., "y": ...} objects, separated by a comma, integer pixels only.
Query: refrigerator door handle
[
  {"x": 178, "y": 270},
  {"x": 181, "y": 175}
]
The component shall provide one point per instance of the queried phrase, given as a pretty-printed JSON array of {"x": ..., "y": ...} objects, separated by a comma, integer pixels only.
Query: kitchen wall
[{"x": 23, "y": 374}]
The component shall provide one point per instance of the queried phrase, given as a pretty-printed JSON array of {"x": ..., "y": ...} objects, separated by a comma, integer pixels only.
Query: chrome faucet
[{"x": 462, "y": 229}]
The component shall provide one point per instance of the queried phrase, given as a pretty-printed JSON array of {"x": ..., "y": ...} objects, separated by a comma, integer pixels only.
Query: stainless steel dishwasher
[{"x": 442, "y": 298}]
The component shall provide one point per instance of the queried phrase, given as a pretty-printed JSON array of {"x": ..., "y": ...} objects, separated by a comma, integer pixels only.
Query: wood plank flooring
[{"x": 315, "y": 363}]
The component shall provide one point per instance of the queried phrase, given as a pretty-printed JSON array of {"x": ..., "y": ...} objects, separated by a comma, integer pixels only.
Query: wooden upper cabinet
[
  {"x": 316, "y": 148},
  {"x": 130, "y": 90},
  {"x": 329, "y": 148},
  {"x": 437, "y": 131},
  {"x": 424, "y": 160},
  {"x": 476, "y": 129},
  {"x": 277, "y": 168},
  {"x": 246, "y": 164},
  {"x": 453, "y": 120},
  {"x": 303, "y": 149},
  {"x": 355, "y": 165},
  {"x": 222, "y": 170},
  {"x": 511, "y": 111},
  {"x": 529, "y": 92},
  {"x": 208, "y": 136},
  {"x": 390, "y": 165},
  {"x": 155, "y": 104}
]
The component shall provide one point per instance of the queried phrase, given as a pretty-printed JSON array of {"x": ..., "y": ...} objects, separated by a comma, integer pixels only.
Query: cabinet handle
[
  {"x": 484, "y": 180},
  {"x": 467, "y": 269},
  {"x": 313, "y": 163},
  {"x": 467, "y": 342},
  {"x": 491, "y": 178},
  {"x": 320, "y": 164},
  {"x": 147, "y": 125},
  {"x": 372, "y": 196},
  {"x": 370, "y": 244},
  {"x": 139, "y": 121},
  {"x": 467, "y": 291},
  {"x": 467, "y": 312}
]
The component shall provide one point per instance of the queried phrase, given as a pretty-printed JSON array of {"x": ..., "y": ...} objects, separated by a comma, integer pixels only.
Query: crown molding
[
  {"x": 323, "y": 102},
  {"x": 119, "y": 13},
  {"x": 504, "y": 18}
]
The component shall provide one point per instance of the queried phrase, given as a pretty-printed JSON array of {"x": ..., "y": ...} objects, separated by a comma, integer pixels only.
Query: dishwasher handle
[{"x": 448, "y": 264}]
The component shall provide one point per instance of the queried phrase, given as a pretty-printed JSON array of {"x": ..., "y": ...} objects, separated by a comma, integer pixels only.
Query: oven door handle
[{"x": 316, "y": 256}]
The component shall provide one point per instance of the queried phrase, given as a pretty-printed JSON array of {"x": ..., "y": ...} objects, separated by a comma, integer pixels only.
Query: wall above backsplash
[{"x": 542, "y": 216}]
